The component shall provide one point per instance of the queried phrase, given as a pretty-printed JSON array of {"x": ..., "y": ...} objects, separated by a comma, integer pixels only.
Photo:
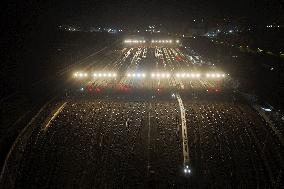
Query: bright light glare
[
  {"x": 215, "y": 75},
  {"x": 160, "y": 75},
  {"x": 136, "y": 75},
  {"x": 134, "y": 41},
  {"x": 80, "y": 75},
  {"x": 188, "y": 75},
  {"x": 161, "y": 41},
  {"x": 187, "y": 170},
  {"x": 107, "y": 74}
]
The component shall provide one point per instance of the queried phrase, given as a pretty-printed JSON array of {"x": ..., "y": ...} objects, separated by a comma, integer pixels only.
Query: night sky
[
  {"x": 127, "y": 11},
  {"x": 139, "y": 12}
]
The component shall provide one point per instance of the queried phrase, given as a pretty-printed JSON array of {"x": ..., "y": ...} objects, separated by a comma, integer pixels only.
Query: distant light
[
  {"x": 177, "y": 41},
  {"x": 266, "y": 109},
  {"x": 187, "y": 170},
  {"x": 82, "y": 89}
]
